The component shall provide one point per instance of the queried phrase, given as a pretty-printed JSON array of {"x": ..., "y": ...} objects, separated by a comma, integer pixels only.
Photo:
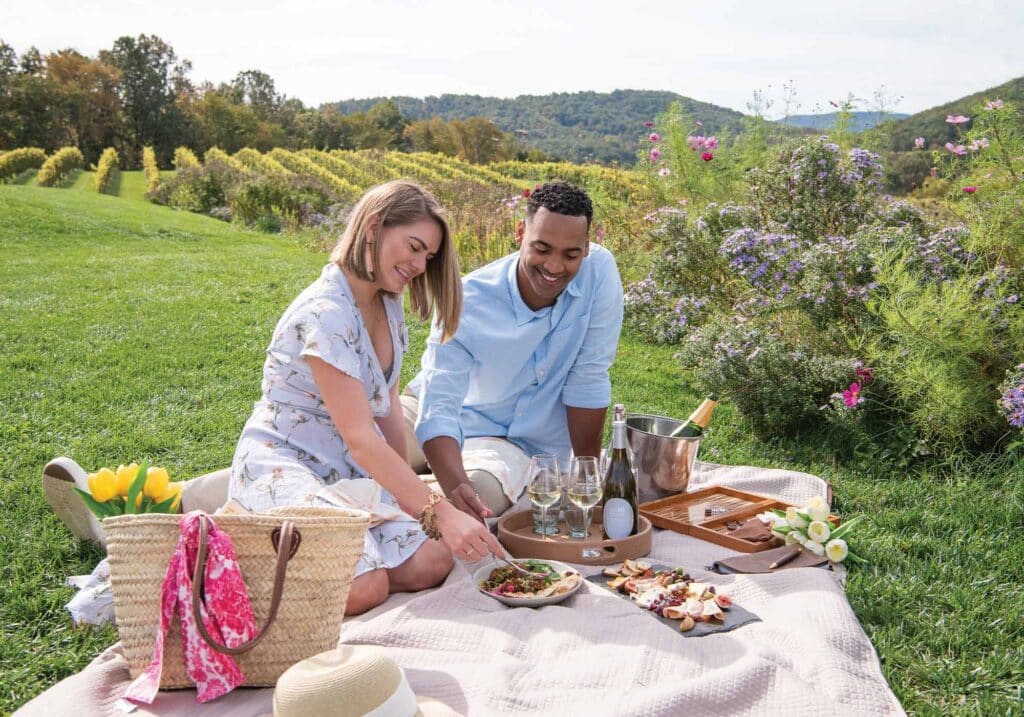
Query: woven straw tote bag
[{"x": 297, "y": 564}]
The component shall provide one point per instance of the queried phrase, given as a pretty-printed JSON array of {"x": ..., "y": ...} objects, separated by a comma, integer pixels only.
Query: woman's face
[{"x": 404, "y": 253}]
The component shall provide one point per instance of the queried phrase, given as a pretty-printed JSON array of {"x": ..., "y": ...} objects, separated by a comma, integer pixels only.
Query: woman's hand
[
  {"x": 466, "y": 499},
  {"x": 466, "y": 536}
]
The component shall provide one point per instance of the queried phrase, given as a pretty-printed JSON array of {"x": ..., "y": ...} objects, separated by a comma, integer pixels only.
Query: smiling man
[{"x": 527, "y": 371}]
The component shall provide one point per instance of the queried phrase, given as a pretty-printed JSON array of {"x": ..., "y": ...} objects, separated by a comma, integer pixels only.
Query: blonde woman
[{"x": 329, "y": 409}]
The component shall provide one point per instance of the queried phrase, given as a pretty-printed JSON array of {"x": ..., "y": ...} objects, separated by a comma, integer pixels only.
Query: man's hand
[{"x": 465, "y": 499}]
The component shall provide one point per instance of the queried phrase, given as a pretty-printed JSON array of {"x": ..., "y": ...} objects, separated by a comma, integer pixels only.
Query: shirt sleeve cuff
[
  {"x": 435, "y": 427},
  {"x": 594, "y": 395}
]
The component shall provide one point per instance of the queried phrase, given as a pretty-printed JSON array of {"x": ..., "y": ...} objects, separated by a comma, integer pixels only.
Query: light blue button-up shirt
[{"x": 510, "y": 371}]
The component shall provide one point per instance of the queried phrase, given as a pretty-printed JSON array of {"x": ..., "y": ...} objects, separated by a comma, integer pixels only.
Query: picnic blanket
[{"x": 593, "y": 654}]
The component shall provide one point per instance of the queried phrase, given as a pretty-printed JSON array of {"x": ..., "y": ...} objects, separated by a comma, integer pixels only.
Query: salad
[{"x": 508, "y": 582}]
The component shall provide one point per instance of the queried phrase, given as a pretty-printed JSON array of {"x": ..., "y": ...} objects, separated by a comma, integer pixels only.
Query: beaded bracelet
[{"x": 428, "y": 519}]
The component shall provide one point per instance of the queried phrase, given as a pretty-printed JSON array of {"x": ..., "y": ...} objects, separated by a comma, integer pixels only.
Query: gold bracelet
[{"x": 428, "y": 519}]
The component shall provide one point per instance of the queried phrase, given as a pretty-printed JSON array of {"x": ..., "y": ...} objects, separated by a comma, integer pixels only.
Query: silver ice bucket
[{"x": 663, "y": 464}]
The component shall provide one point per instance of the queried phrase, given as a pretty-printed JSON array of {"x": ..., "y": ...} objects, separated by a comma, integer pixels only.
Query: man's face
[{"x": 551, "y": 248}]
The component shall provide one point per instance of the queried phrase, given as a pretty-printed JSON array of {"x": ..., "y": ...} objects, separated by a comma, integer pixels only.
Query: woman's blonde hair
[{"x": 399, "y": 203}]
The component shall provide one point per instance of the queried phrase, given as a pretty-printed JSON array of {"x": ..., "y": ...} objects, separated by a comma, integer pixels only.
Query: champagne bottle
[
  {"x": 618, "y": 414},
  {"x": 620, "y": 498},
  {"x": 698, "y": 420}
]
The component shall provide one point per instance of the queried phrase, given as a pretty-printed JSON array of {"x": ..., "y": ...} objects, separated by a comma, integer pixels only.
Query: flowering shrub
[
  {"x": 1011, "y": 398},
  {"x": 820, "y": 298}
]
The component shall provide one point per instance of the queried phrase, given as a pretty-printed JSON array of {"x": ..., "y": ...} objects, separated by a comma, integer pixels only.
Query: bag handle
[{"x": 285, "y": 540}]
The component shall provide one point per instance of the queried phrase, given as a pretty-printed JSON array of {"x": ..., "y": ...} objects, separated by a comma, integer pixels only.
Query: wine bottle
[
  {"x": 620, "y": 497},
  {"x": 618, "y": 412},
  {"x": 698, "y": 420}
]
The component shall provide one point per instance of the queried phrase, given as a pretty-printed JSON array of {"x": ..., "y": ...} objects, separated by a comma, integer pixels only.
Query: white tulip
[
  {"x": 818, "y": 531},
  {"x": 793, "y": 537},
  {"x": 794, "y": 519},
  {"x": 815, "y": 547},
  {"x": 817, "y": 508},
  {"x": 837, "y": 550}
]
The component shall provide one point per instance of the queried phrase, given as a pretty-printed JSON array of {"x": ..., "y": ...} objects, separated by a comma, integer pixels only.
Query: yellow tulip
[
  {"x": 156, "y": 483},
  {"x": 125, "y": 476},
  {"x": 174, "y": 489},
  {"x": 103, "y": 485}
]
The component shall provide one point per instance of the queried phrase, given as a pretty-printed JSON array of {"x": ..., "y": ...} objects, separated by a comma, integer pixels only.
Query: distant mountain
[
  {"x": 931, "y": 124},
  {"x": 859, "y": 121},
  {"x": 580, "y": 126}
]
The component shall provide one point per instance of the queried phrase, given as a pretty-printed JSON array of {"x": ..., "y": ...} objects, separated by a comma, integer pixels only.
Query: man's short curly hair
[{"x": 561, "y": 198}]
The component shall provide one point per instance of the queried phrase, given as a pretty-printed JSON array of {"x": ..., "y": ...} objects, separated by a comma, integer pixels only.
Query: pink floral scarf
[{"x": 226, "y": 613}]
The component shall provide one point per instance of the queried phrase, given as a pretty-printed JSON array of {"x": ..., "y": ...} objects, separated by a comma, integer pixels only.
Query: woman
[{"x": 330, "y": 410}]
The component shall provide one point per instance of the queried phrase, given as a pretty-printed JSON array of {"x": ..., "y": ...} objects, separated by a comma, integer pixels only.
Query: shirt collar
[{"x": 524, "y": 314}]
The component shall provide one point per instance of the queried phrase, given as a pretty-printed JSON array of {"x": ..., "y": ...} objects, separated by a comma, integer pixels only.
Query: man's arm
[
  {"x": 587, "y": 390},
  {"x": 445, "y": 459},
  {"x": 586, "y": 426},
  {"x": 444, "y": 384}
]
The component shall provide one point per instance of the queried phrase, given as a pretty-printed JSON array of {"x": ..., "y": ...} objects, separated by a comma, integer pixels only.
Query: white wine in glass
[
  {"x": 585, "y": 489},
  {"x": 544, "y": 487}
]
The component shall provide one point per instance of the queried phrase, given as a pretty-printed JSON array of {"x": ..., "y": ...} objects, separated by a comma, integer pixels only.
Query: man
[{"x": 527, "y": 371}]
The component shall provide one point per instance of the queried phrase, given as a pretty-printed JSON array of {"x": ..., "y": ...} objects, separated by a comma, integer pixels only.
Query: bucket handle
[{"x": 285, "y": 540}]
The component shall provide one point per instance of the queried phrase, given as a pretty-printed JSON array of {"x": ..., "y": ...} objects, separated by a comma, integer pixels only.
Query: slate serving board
[{"x": 735, "y": 616}]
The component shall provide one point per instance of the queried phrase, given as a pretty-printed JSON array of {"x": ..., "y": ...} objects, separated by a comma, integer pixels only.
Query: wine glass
[
  {"x": 544, "y": 485},
  {"x": 585, "y": 488}
]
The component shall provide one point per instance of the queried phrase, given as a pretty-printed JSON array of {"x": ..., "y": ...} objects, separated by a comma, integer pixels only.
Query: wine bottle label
[{"x": 618, "y": 518}]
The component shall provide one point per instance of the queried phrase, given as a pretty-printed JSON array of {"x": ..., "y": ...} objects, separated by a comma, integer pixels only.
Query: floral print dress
[{"x": 289, "y": 448}]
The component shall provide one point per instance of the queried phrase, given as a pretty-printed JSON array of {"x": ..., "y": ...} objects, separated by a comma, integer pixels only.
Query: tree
[
  {"x": 256, "y": 89},
  {"x": 389, "y": 119},
  {"x": 10, "y": 122},
  {"x": 432, "y": 135},
  {"x": 91, "y": 109},
  {"x": 150, "y": 74},
  {"x": 480, "y": 140},
  {"x": 34, "y": 102}
]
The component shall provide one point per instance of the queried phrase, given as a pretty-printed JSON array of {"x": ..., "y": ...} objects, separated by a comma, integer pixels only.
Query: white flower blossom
[
  {"x": 818, "y": 531},
  {"x": 817, "y": 508},
  {"x": 837, "y": 550},
  {"x": 815, "y": 547},
  {"x": 794, "y": 519}
]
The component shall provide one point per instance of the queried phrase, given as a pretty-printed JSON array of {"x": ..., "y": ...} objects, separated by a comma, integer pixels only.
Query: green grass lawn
[
  {"x": 126, "y": 185},
  {"x": 131, "y": 330}
]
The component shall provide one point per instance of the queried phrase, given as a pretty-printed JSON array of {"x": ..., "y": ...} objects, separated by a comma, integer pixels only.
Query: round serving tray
[{"x": 515, "y": 532}]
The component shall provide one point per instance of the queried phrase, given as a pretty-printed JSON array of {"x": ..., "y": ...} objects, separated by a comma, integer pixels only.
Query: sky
[{"x": 918, "y": 54}]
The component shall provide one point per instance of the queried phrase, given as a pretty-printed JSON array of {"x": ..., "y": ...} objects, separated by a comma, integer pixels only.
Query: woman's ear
[{"x": 372, "y": 228}]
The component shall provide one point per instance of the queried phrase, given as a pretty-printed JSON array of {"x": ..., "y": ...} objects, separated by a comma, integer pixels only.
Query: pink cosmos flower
[
  {"x": 970, "y": 190},
  {"x": 851, "y": 396},
  {"x": 648, "y": 124},
  {"x": 526, "y": 193},
  {"x": 711, "y": 142},
  {"x": 655, "y": 136},
  {"x": 695, "y": 142},
  {"x": 699, "y": 123},
  {"x": 957, "y": 149},
  {"x": 866, "y": 375},
  {"x": 994, "y": 105},
  {"x": 654, "y": 155},
  {"x": 707, "y": 156},
  {"x": 957, "y": 119},
  {"x": 919, "y": 142},
  {"x": 664, "y": 172},
  {"x": 977, "y": 144},
  {"x": 599, "y": 235},
  {"x": 933, "y": 172}
]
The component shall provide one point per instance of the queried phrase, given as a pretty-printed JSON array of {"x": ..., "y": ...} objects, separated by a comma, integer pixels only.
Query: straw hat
[{"x": 351, "y": 680}]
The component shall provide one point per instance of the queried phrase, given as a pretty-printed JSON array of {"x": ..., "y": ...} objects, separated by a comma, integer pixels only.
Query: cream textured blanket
[{"x": 594, "y": 654}]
